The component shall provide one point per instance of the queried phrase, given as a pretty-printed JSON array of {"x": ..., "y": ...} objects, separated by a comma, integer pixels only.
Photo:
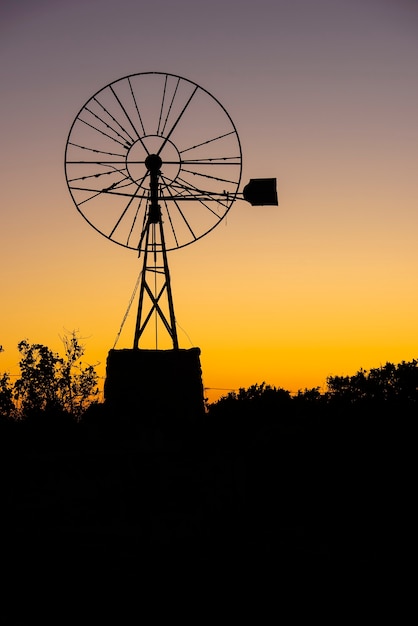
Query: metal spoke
[
  {"x": 171, "y": 224},
  {"x": 135, "y": 218},
  {"x": 177, "y": 121},
  {"x": 171, "y": 104},
  {"x": 162, "y": 105},
  {"x": 208, "y": 195},
  {"x": 87, "y": 199},
  {"x": 126, "y": 115},
  {"x": 136, "y": 104},
  {"x": 110, "y": 190},
  {"x": 99, "y": 162},
  {"x": 212, "y": 161},
  {"x": 108, "y": 125},
  {"x": 182, "y": 215},
  {"x": 107, "y": 190},
  {"x": 203, "y": 143},
  {"x": 128, "y": 118},
  {"x": 118, "y": 184},
  {"x": 71, "y": 180},
  {"x": 186, "y": 186},
  {"x": 222, "y": 180},
  {"x": 70, "y": 143},
  {"x": 104, "y": 134},
  {"x": 125, "y": 209},
  {"x": 206, "y": 200}
]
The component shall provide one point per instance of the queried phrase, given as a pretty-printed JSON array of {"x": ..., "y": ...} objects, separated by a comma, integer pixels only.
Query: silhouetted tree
[
  {"x": 256, "y": 393},
  {"x": 241, "y": 415},
  {"x": 50, "y": 383},
  {"x": 7, "y": 406},
  {"x": 387, "y": 384},
  {"x": 309, "y": 395},
  {"x": 79, "y": 381}
]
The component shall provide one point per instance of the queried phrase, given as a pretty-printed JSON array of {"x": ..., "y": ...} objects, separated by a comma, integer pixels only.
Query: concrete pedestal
[{"x": 155, "y": 385}]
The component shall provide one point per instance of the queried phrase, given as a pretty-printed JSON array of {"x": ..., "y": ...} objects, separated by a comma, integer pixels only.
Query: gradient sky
[{"x": 324, "y": 96}]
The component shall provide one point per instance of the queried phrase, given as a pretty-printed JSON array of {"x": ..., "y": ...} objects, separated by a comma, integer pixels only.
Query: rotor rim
[{"x": 167, "y": 183}]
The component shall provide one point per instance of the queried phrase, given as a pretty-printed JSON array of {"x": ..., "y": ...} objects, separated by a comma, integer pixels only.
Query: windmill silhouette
[{"x": 153, "y": 163}]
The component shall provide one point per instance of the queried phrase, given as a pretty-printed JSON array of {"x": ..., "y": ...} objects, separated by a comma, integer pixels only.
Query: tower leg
[{"x": 157, "y": 250}]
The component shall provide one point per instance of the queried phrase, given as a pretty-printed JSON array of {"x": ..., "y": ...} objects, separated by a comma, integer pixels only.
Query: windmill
[{"x": 153, "y": 162}]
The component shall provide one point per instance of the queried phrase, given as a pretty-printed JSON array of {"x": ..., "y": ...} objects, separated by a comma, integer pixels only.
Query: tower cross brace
[{"x": 155, "y": 245}]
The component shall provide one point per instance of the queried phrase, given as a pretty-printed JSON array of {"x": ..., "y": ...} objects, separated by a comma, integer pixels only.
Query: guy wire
[{"x": 128, "y": 309}]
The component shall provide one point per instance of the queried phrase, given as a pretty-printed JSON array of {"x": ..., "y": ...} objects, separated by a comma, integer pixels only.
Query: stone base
[{"x": 155, "y": 385}]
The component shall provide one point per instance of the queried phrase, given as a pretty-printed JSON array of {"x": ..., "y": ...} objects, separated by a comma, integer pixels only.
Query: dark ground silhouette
[
  {"x": 266, "y": 491},
  {"x": 301, "y": 486}
]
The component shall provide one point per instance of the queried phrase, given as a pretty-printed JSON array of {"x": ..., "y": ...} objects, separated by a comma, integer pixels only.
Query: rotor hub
[{"x": 153, "y": 162}]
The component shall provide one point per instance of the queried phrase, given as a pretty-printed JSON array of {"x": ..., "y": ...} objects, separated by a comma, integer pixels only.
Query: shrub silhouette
[{"x": 48, "y": 383}]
